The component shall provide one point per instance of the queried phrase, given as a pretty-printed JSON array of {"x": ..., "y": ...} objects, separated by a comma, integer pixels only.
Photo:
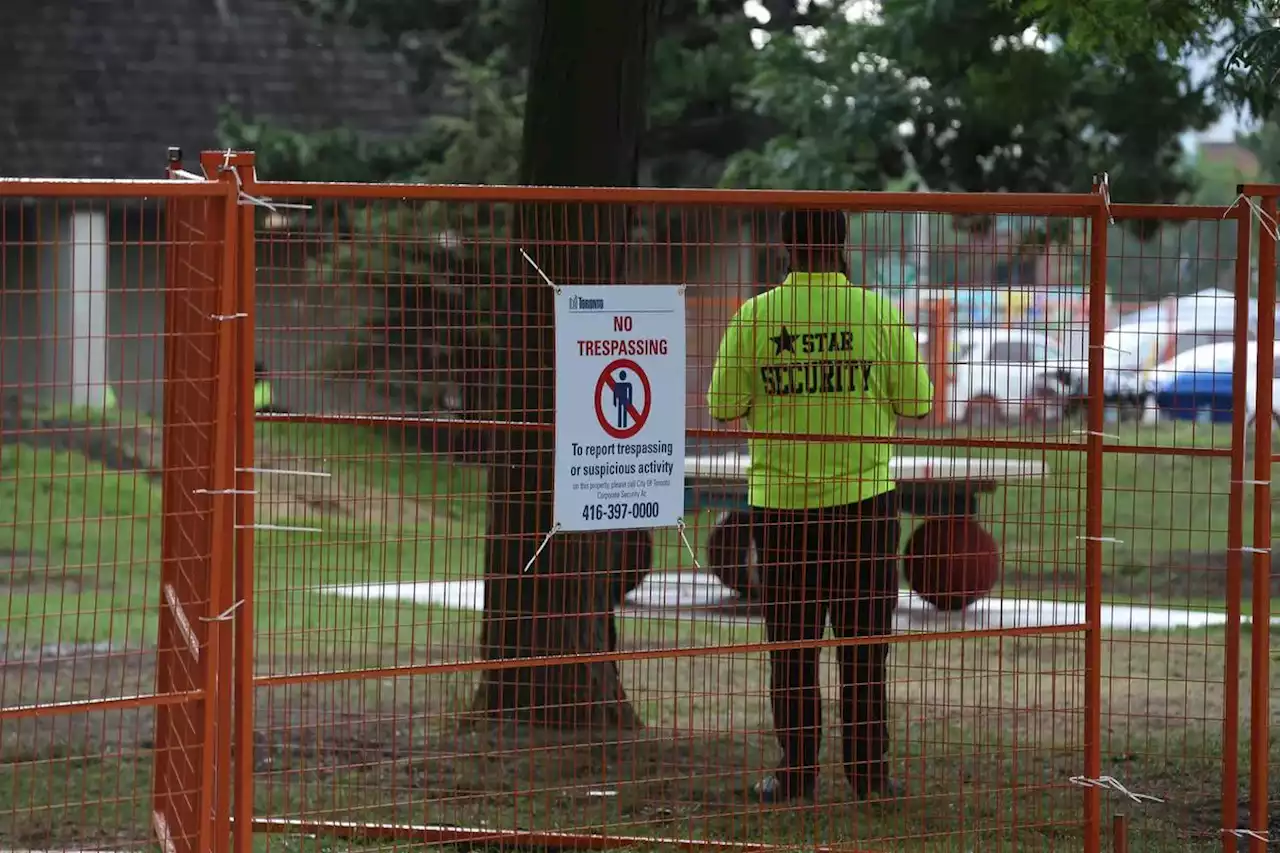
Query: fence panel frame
[
  {"x": 1260, "y": 680},
  {"x": 197, "y": 625},
  {"x": 1094, "y": 533},
  {"x": 1235, "y": 536},
  {"x": 233, "y": 170},
  {"x": 1092, "y": 207},
  {"x": 1243, "y": 478}
]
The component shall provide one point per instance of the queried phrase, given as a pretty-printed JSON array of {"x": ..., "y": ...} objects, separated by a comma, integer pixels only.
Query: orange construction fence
[{"x": 279, "y": 565}]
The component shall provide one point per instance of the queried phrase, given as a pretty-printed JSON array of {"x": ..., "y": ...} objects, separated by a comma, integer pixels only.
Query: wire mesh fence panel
[
  {"x": 434, "y": 666},
  {"x": 966, "y": 553},
  {"x": 1179, "y": 399},
  {"x": 107, "y": 524}
]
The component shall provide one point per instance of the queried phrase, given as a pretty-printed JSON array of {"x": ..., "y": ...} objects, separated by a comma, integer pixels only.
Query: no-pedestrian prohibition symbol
[{"x": 616, "y": 398}]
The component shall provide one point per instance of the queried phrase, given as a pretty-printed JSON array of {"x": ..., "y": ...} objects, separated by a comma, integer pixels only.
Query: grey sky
[{"x": 1225, "y": 129}]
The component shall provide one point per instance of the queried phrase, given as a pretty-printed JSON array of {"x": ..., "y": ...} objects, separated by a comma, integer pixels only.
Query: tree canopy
[
  {"x": 967, "y": 97},
  {"x": 1016, "y": 95},
  {"x": 1242, "y": 34}
]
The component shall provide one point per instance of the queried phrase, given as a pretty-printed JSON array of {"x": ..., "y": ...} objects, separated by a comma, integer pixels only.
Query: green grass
[
  {"x": 82, "y": 542},
  {"x": 370, "y": 457},
  {"x": 1169, "y": 513}
]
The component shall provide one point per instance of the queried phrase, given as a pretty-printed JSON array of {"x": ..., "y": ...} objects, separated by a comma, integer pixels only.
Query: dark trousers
[{"x": 842, "y": 563}]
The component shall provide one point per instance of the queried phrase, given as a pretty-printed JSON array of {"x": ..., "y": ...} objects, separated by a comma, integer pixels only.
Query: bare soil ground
[
  {"x": 1182, "y": 578},
  {"x": 132, "y": 446},
  {"x": 987, "y": 736}
]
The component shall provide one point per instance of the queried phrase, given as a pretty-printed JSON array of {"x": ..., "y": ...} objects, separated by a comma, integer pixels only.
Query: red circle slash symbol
[{"x": 615, "y": 398}]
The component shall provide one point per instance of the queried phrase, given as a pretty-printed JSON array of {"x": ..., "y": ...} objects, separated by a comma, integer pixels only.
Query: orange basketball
[{"x": 951, "y": 562}]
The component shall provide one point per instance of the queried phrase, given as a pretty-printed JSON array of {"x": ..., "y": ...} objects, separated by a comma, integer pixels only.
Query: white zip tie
[
  {"x": 1114, "y": 784},
  {"x": 1110, "y": 539},
  {"x": 1246, "y": 549},
  {"x": 224, "y": 492},
  {"x": 1092, "y": 432},
  {"x": 1264, "y": 837},
  {"x": 1104, "y": 184},
  {"x": 1106, "y": 348},
  {"x": 283, "y": 528},
  {"x": 187, "y": 176},
  {"x": 226, "y": 615},
  {"x": 1264, "y": 219},
  {"x": 243, "y": 197},
  {"x": 284, "y": 472},
  {"x": 1254, "y": 482},
  {"x": 273, "y": 206},
  {"x": 680, "y": 528},
  {"x": 539, "y": 271},
  {"x": 222, "y": 318},
  {"x": 542, "y": 546}
]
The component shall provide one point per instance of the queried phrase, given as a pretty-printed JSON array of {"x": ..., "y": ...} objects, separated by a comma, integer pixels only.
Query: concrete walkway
[{"x": 695, "y": 595}]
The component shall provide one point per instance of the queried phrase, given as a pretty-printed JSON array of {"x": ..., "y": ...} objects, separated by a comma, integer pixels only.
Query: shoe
[
  {"x": 883, "y": 788},
  {"x": 771, "y": 791}
]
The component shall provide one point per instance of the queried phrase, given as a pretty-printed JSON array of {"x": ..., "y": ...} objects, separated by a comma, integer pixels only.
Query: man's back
[
  {"x": 817, "y": 356},
  {"x": 819, "y": 367}
]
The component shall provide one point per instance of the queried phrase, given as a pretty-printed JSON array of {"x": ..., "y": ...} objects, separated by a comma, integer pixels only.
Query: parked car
[
  {"x": 1146, "y": 338},
  {"x": 1011, "y": 375},
  {"x": 1200, "y": 382},
  {"x": 1207, "y": 358}
]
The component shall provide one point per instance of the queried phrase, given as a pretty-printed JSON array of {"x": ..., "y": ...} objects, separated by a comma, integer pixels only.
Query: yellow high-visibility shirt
[
  {"x": 261, "y": 395},
  {"x": 818, "y": 356}
]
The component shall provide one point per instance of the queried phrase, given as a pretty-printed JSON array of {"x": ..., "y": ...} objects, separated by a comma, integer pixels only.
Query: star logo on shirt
[{"x": 784, "y": 342}]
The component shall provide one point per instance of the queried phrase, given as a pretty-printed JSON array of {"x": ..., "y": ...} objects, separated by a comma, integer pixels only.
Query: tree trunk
[{"x": 583, "y": 121}]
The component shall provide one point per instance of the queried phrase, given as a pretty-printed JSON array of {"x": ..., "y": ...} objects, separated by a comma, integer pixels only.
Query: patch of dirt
[
  {"x": 281, "y": 496},
  {"x": 1182, "y": 577},
  {"x": 117, "y": 446},
  {"x": 981, "y": 726},
  {"x": 1205, "y": 575},
  {"x": 645, "y": 644},
  {"x": 25, "y": 573},
  {"x": 708, "y": 728},
  {"x": 42, "y": 583}
]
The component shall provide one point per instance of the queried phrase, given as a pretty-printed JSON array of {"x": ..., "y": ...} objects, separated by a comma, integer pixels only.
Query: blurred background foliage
[{"x": 943, "y": 95}]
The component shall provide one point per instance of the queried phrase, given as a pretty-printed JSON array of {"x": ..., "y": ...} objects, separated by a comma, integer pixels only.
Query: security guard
[
  {"x": 818, "y": 356},
  {"x": 262, "y": 401}
]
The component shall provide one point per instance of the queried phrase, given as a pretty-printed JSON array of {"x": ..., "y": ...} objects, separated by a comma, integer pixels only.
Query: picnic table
[{"x": 929, "y": 487}]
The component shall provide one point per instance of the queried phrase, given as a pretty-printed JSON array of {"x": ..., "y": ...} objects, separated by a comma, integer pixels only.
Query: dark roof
[
  {"x": 1244, "y": 160},
  {"x": 100, "y": 88}
]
